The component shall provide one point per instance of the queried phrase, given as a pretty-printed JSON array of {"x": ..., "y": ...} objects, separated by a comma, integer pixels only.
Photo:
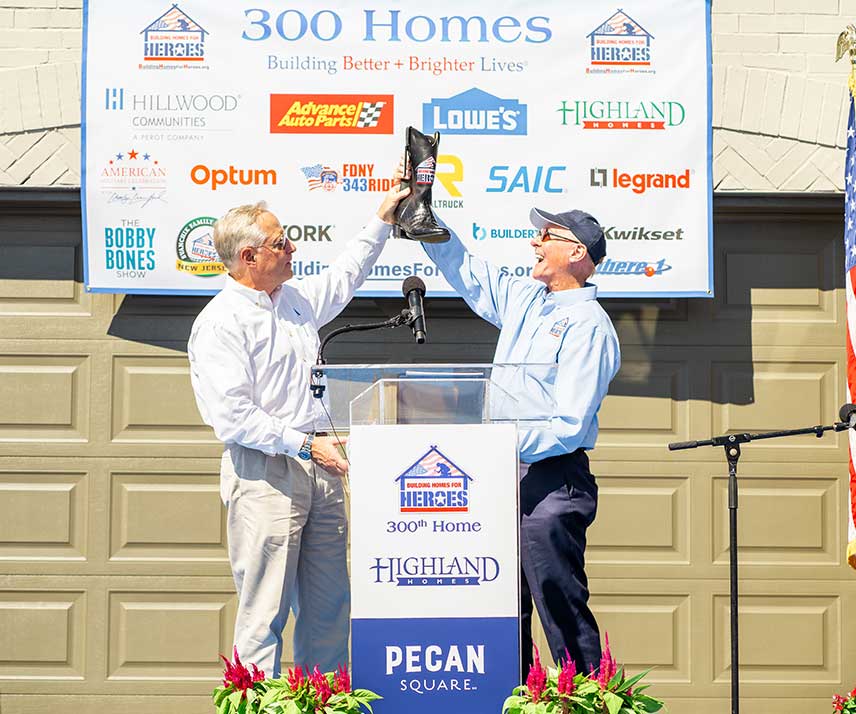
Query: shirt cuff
[
  {"x": 376, "y": 228},
  {"x": 292, "y": 441}
]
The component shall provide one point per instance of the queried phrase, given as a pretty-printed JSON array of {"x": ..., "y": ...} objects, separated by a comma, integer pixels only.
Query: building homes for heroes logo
[
  {"x": 174, "y": 41},
  {"x": 620, "y": 45}
]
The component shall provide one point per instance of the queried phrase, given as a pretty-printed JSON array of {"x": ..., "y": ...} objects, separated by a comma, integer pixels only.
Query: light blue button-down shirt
[{"x": 567, "y": 327}]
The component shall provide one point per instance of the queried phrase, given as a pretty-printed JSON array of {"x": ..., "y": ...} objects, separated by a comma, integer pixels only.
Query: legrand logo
[
  {"x": 331, "y": 113},
  {"x": 638, "y": 183},
  {"x": 474, "y": 112},
  {"x": 433, "y": 484},
  {"x": 633, "y": 267},
  {"x": 643, "y": 233},
  {"x": 202, "y": 175},
  {"x": 603, "y": 114}
]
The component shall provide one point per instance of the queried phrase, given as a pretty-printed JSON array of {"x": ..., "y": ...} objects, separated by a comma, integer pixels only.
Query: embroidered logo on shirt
[{"x": 558, "y": 329}]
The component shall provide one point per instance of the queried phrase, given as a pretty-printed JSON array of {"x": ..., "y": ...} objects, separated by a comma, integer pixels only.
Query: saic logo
[
  {"x": 195, "y": 248},
  {"x": 525, "y": 179},
  {"x": 474, "y": 112},
  {"x": 433, "y": 484},
  {"x": 201, "y": 175},
  {"x": 617, "y": 114},
  {"x": 638, "y": 183},
  {"x": 351, "y": 177},
  {"x": 331, "y": 113},
  {"x": 633, "y": 267},
  {"x": 620, "y": 44},
  {"x": 175, "y": 38}
]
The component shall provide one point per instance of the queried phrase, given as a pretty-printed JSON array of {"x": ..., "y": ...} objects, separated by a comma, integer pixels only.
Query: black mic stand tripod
[
  {"x": 405, "y": 317},
  {"x": 731, "y": 443}
]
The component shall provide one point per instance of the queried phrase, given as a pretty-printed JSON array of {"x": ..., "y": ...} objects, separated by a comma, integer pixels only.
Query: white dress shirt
[{"x": 251, "y": 354}]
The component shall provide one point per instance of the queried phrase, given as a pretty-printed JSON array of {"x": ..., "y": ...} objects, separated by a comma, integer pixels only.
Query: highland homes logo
[
  {"x": 174, "y": 41},
  {"x": 620, "y": 45},
  {"x": 195, "y": 248}
]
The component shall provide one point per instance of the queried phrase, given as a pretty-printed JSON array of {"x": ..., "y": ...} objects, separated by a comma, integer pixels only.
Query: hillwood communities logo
[
  {"x": 620, "y": 45},
  {"x": 174, "y": 41}
]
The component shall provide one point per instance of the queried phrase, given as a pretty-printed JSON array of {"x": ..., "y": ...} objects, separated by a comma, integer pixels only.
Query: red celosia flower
[
  {"x": 567, "y": 671},
  {"x": 238, "y": 676},
  {"x": 838, "y": 703},
  {"x": 536, "y": 682},
  {"x": 321, "y": 685},
  {"x": 295, "y": 678},
  {"x": 608, "y": 667},
  {"x": 342, "y": 680}
]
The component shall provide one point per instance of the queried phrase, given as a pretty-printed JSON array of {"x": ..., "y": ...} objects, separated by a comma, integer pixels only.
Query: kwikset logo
[
  {"x": 643, "y": 233},
  {"x": 638, "y": 183},
  {"x": 331, "y": 113}
]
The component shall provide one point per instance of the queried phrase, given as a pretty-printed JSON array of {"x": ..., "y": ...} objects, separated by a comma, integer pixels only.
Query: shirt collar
[
  {"x": 257, "y": 297},
  {"x": 573, "y": 296}
]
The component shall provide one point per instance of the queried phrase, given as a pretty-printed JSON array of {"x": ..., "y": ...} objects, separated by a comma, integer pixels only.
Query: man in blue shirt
[{"x": 553, "y": 318}]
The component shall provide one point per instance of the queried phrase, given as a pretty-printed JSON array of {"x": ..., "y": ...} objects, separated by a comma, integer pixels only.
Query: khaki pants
[{"x": 287, "y": 532}]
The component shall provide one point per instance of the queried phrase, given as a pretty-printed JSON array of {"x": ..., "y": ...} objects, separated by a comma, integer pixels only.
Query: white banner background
[{"x": 173, "y": 95}]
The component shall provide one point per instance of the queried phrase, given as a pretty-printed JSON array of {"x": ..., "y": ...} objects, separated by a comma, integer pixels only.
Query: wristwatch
[{"x": 305, "y": 451}]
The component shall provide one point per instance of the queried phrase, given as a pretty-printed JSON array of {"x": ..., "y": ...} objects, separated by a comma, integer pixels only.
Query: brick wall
[{"x": 780, "y": 100}]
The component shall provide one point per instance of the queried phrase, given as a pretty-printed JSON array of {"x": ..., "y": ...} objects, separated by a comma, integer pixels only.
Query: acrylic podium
[{"x": 434, "y": 526}]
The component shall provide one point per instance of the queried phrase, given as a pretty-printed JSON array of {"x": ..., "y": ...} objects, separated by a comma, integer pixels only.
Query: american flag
[{"x": 850, "y": 290}]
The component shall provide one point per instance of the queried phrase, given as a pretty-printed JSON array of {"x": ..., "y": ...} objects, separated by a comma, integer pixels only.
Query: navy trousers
[{"x": 558, "y": 502}]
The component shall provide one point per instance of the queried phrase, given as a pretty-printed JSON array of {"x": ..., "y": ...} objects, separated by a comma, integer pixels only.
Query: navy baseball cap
[{"x": 583, "y": 225}]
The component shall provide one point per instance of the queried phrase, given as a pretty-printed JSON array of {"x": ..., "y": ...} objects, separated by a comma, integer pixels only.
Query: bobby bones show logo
[
  {"x": 331, "y": 113},
  {"x": 174, "y": 37},
  {"x": 615, "y": 114},
  {"x": 474, "y": 112},
  {"x": 619, "y": 42},
  {"x": 351, "y": 177},
  {"x": 433, "y": 484}
]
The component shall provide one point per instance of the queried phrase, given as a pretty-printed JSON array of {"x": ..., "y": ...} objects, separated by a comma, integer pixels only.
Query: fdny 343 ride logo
[{"x": 433, "y": 484}]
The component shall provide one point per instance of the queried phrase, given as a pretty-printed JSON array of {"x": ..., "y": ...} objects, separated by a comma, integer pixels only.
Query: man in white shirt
[{"x": 251, "y": 350}]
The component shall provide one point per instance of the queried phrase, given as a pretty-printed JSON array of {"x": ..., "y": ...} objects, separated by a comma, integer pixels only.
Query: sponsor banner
[
  {"x": 538, "y": 104},
  {"x": 441, "y": 664},
  {"x": 434, "y": 564}
]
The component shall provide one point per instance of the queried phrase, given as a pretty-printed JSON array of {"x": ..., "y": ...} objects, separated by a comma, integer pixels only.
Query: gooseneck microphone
[
  {"x": 414, "y": 290},
  {"x": 847, "y": 414}
]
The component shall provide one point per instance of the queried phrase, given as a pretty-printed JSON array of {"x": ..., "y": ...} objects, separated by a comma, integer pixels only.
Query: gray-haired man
[{"x": 251, "y": 350}]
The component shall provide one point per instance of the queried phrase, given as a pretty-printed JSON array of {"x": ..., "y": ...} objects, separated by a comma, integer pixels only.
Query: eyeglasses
[
  {"x": 547, "y": 235},
  {"x": 277, "y": 245}
]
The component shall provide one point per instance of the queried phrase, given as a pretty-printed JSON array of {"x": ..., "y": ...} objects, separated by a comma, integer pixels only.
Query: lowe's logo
[{"x": 474, "y": 112}]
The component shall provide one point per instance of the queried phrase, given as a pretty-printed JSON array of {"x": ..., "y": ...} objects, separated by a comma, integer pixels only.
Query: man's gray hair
[{"x": 238, "y": 229}]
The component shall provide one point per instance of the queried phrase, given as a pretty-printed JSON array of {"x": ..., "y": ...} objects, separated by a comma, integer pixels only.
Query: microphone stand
[
  {"x": 405, "y": 317},
  {"x": 731, "y": 443}
]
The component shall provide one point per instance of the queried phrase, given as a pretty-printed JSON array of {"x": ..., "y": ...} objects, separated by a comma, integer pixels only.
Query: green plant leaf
[
  {"x": 630, "y": 682},
  {"x": 225, "y": 706},
  {"x": 613, "y": 702},
  {"x": 616, "y": 679},
  {"x": 648, "y": 704},
  {"x": 269, "y": 697}
]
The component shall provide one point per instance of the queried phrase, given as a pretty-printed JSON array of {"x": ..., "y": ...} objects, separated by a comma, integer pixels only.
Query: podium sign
[{"x": 434, "y": 566}]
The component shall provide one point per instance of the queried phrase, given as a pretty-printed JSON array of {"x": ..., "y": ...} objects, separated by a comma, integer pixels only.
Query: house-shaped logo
[
  {"x": 474, "y": 112},
  {"x": 174, "y": 37},
  {"x": 434, "y": 484},
  {"x": 620, "y": 41}
]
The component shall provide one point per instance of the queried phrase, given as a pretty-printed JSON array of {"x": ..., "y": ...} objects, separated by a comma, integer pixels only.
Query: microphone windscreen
[
  {"x": 846, "y": 412},
  {"x": 413, "y": 283}
]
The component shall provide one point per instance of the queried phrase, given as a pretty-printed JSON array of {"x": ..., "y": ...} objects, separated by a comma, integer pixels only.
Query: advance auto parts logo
[
  {"x": 195, "y": 248},
  {"x": 331, "y": 113}
]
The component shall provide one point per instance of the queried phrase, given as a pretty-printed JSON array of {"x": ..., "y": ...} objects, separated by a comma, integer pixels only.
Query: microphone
[
  {"x": 414, "y": 290},
  {"x": 847, "y": 414}
]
